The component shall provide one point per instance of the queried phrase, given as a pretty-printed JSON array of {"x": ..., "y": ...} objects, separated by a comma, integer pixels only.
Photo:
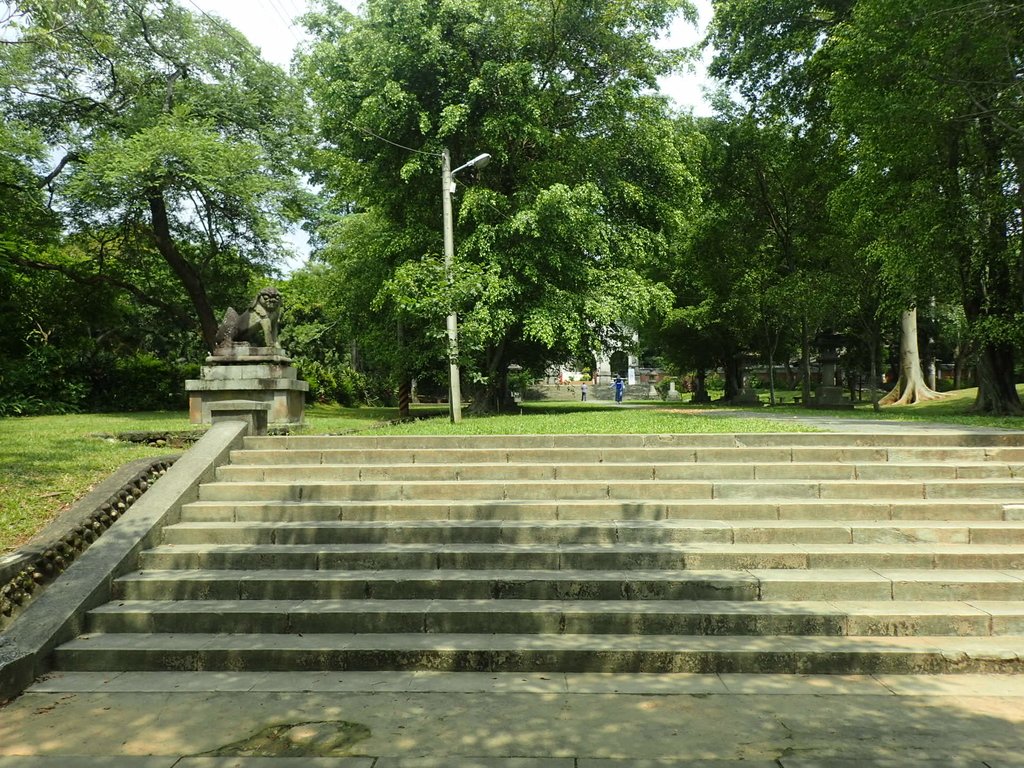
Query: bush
[
  {"x": 332, "y": 382},
  {"x": 138, "y": 382},
  {"x": 41, "y": 383},
  {"x": 664, "y": 385},
  {"x": 326, "y": 382},
  {"x": 714, "y": 381},
  {"x": 21, "y": 405}
]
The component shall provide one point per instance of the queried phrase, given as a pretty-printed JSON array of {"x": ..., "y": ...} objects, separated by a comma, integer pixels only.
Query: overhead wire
[
  {"x": 229, "y": 31},
  {"x": 283, "y": 16},
  {"x": 368, "y": 132}
]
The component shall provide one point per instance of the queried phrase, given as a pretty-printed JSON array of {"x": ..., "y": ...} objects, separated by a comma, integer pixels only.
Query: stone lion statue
[{"x": 262, "y": 315}]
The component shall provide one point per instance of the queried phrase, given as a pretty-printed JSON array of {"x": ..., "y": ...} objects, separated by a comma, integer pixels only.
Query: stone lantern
[{"x": 828, "y": 394}]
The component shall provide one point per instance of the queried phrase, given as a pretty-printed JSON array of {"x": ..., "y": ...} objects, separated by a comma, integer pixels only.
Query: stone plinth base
[
  {"x": 248, "y": 373},
  {"x": 746, "y": 397},
  {"x": 830, "y": 397}
]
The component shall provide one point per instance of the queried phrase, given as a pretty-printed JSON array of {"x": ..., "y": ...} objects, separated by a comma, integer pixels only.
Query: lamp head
[{"x": 477, "y": 162}]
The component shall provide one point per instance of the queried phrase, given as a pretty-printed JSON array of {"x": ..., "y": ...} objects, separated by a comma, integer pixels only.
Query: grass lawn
[
  {"x": 553, "y": 418},
  {"x": 952, "y": 408},
  {"x": 46, "y": 462}
]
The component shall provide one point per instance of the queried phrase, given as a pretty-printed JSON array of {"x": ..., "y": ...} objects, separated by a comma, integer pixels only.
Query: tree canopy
[
  {"x": 156, "y": 142},
  {"x": 587, "y": 187},
  {"x": 923, "y": 97},
  {"x": 863, "y": 165}
]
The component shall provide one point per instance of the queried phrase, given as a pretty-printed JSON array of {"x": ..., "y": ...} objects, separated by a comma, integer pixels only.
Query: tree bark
[
  {"x": 492, "y": 396},
  {"x": 997, "y": 392},
  {"x": 733, "y": 370},
  {"x": 404, "y": 398},
  {"x": 805, "y": 362},
  {"x": 911, "y": 386},
  {"x": 873, "y": 390},
  {"x": 182, "y": 268}
]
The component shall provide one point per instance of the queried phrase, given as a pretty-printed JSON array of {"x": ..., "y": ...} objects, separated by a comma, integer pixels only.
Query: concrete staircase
[{"x": 808, "y": 552}]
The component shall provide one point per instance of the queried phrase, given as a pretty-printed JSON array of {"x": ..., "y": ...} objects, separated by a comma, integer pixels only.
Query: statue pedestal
[
  {"x": 747, "y": 397},
  {"x": 831, "y": 397},
  {"x": 245, "y": 372}
]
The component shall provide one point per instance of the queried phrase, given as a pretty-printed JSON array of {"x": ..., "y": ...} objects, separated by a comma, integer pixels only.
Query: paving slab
[
  {"x": 674, "y": 763},
  {"x": 900, "y": 761},
  {"x": 275, "y": 762},
  {"x": 475, "y": 762},
  {"x": 864, "y": 721}
]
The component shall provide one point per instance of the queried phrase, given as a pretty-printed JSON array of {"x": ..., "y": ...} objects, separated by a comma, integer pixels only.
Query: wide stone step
[
  {"x": 619, "y": 455},
  {"x": 645, "y": 617},
  {"x": 287, "y": 532},
  {"x": 541, "y": 653},
  {"x": 901, "y": 584},
  {"x": 596, "y": 510},
  {"x": 583, "y": 556},
  {"x": 931, "y": 439},
  {"x": 625, "y": 490},
  {"x": 319, "y": 473}
]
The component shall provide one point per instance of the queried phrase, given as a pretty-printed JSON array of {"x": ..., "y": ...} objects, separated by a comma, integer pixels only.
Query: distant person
[
  {"x": 619, "y": 387},
  {"x": 583, "y": 391}
]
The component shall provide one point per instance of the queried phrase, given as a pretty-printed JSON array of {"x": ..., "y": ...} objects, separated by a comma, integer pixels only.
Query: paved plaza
[{"x": 473, "y": 720}]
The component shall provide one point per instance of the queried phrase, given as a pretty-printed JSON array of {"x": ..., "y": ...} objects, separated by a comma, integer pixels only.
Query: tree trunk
[
  {"x": 873, "y": 391},
  {"x": 911, "y": 386},
  {"x": 700, "y": 390},
  {"x": 733, "y": 377},
  {"x": 182, "y": 268},
  {"x": 805, "y": 362},
  {"x": 404, "y": 398},
  {"x": 771, "y": 343},
  {"x": 493, "y": 396},
  {"x": 997, "y": 392}
]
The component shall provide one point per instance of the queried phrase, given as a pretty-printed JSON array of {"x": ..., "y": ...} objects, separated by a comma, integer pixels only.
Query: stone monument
[
  {"x": 827, "y": 394},
  {"x": 248, "y": 364}
]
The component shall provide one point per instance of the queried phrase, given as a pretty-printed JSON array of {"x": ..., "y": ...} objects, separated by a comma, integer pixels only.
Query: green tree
[
  {"x": 925, "y": 98},
  {"x": 170, "y": 145},
  {"x": 554, "y": 238},
  {"x": 753, "y": 266},
  {"x": 932, "y": 92}
]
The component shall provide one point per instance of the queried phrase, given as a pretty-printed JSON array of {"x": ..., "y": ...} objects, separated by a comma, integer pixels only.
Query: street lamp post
[{"x": 447, "y": 189}]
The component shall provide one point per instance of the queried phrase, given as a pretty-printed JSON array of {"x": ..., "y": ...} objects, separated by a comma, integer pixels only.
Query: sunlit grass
[
  {"x": 592, "y": 418},
  {"x": 335, "y": 419},
  {"x": 46, "y": 462},
  {"x": 953, "y": 408}
]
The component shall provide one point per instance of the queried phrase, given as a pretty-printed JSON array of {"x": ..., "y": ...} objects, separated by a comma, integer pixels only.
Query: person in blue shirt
[{"x": 619, "y": 387}]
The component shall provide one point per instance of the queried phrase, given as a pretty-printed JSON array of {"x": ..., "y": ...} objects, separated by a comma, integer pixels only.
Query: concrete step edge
[
  {"x": 697, "y": 575},
  {"x": 381, "y": 642},
  {"x": 617, "y": 547},
  {"x": 809, "y": 608}
]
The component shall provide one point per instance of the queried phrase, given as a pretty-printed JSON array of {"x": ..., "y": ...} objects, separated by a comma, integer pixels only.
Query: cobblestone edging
[{"x": 32, "y": 567}]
